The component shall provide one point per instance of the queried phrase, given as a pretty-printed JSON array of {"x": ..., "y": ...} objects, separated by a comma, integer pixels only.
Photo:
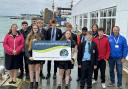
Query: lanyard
[{"x": 116, "y": 41}]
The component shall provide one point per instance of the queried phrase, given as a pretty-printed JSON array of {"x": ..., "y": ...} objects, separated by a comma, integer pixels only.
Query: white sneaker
[
  {"x": 103, "y": 85},
  {"x": 94, "y": 81}
]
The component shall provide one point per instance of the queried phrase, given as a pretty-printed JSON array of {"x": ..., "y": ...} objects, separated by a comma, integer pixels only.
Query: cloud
[{"x": 16, "y": 7}]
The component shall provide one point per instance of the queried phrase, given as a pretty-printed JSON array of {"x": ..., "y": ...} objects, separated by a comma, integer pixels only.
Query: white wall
[
  {"x": 122, "y": 17},
  {"x": 86, "y": 6}
]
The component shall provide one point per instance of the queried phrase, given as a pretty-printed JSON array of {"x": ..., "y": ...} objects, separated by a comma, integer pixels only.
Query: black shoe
[
  {"x": 66, "y": 87},
  {"x": 48, "y": 76},
  {"x": 13, "y": 82},
  {"x": 20, "y": 76},
  {"x": 59, "y": 87},
  {"x": 31, "y": 85},
  {"x": 42, "y": 76},
  {"x": 78, "y": 79},
  {"x": 10, "y": 82},
  {"x": 36, "y": 85},
  {"x": 54, "y": 76}
]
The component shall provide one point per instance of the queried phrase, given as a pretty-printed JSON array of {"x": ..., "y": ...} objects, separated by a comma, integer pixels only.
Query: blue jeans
[{"x": 118, "y": 64}]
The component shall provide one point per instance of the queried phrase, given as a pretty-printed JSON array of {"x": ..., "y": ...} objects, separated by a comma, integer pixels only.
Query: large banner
[{"x": 51, "y": 50}]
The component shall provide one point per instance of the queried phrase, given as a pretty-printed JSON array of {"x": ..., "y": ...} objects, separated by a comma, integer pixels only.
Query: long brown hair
[
  {"x": 96, "y": 27},
  {"x": 64, "y": 37},
  {"x": 32, "y": 36}
]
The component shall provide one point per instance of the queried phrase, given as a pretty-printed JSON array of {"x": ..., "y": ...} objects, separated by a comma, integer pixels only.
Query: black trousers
[
  {"x": 24, "y": 63},
  {"x": 49, "y": 67},
  {"x": 86, "y": 74},
  {"x": 102, "y": 66},
  {"x": 79, "y": 72}
]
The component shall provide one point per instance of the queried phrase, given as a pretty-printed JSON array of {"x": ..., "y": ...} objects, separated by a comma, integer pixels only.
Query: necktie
[
  {"x": 89, "y": 47},
  {"x": 82, "y": 39},
  {"x": 53, "y": 33}
]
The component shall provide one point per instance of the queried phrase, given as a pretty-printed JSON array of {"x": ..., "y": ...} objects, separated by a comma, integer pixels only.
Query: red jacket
[
  {"x": 78, "y": 39},
  {"x": 103, "y": 47},
  {"x": 10, "y": 43}
]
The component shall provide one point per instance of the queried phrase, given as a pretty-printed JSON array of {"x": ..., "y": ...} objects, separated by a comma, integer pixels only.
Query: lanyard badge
[{"x": 116, "y": 41}]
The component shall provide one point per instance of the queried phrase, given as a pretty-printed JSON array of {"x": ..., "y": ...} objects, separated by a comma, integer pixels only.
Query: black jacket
[
  {"x": 58, "y": 34},
  {"x": 25, "y": 33},
  {"x": 43, "y": 33},
  {"x": 93, "y": 50}
]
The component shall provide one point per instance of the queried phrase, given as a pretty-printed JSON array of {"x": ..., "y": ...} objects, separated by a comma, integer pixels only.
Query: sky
[{"x": 17, "y": 7}]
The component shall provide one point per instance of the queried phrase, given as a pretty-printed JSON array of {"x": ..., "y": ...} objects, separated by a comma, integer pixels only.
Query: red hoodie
[
  {"x": 11, "y": 43},
  {"x": 103, "y": 47}
]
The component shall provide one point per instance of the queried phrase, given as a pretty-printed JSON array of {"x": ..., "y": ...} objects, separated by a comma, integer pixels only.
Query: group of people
[
  {"x": 92, "y": 49},
  {"x": 95, "y": 51}
]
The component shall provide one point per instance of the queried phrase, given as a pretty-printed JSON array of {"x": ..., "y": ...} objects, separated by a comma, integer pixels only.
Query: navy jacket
[
  {"x": 58, "y": 34},
  {"x": 93, "y": 50}
]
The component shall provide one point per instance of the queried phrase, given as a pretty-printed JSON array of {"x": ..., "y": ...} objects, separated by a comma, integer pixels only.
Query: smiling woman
[{"x": 5, "y": 23}]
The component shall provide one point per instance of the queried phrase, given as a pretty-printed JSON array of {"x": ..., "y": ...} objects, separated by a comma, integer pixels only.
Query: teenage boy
[
  {"x": 24, "y": 58},
  {"x": 103, "y": 55},
  {"x": 88, "y": 60},
  {"x": 81, "y": 38}
]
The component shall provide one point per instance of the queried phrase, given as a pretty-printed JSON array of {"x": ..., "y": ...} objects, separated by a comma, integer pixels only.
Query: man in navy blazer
[{"x": 53, "y": 34}]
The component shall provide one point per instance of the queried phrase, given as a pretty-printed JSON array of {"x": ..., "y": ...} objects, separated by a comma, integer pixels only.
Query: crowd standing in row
[{"x": 92, "y": 49}]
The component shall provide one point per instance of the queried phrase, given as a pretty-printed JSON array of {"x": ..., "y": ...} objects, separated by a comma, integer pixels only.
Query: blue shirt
[
  {"x": 53, "y": 34},
  {"x": 87, "y": 55}
]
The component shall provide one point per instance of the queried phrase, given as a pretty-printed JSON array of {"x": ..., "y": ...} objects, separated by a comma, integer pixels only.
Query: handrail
[{"x": 1, "y": 41}]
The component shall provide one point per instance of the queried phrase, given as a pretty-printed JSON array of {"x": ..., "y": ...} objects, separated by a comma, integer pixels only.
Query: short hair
[
  {"x": 85, "y": 29},
  {"x": 101, "y": 29},
  {"x": 89, "y": 32},
  {"x": 116, "y": 27},
  {"x": 69, "y": 25},
  {"x": 40, "y": 21},
  {"x": 34, "y": 18},
  {"x": 24, "y": 22},
  {"x": 53, "y": 21}
]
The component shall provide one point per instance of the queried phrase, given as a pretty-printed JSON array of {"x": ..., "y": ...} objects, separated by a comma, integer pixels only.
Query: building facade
[{"x": 105, "y": 13}]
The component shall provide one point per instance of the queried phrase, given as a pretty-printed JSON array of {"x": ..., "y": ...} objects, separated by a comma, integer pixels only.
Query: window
[
  {"x": 93, "y": 18},
  {"x": 85, "y": 20},
  {"x": 109, "y": 26},
  {"x": 109, "y": 14},
  {"x": 104, "y": 18},
  {"x": 114, "y": 11},
  {"x": 107, "y": 19}
]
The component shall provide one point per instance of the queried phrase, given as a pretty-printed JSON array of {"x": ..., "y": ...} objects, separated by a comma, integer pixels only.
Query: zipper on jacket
[
  {"x": 99, "y": 42},
  {"x": 14, "y": 45}
]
